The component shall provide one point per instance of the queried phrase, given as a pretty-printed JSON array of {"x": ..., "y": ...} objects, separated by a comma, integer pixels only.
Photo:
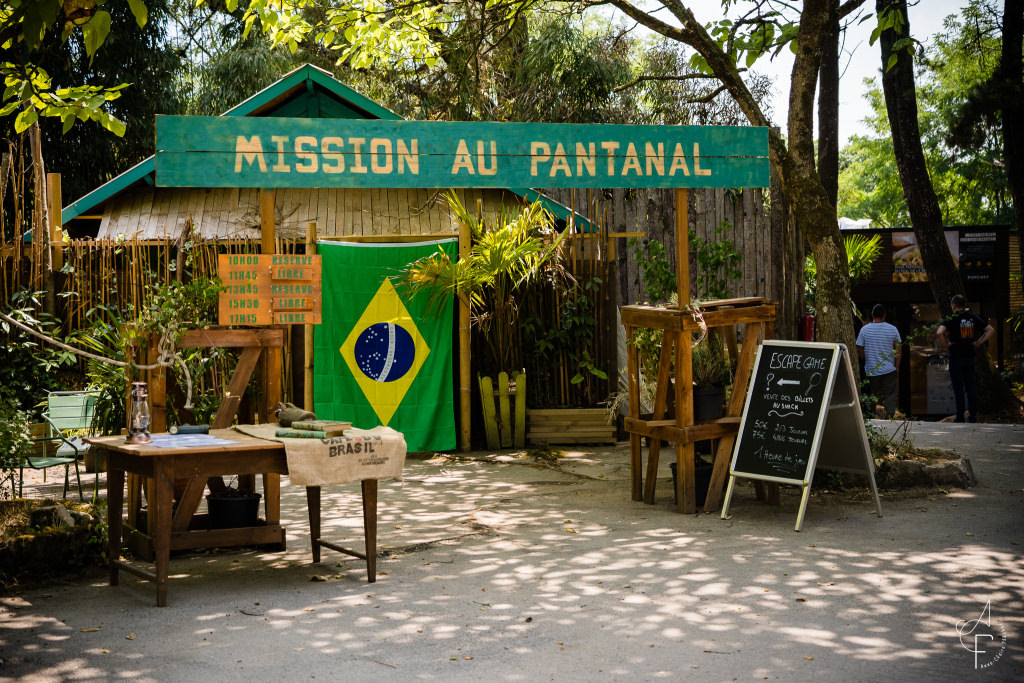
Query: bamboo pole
[
  {"x": 307, "y": 362},
  {"x": 53, "y": 195},
  {"x": 267, "y": 202},
  {"x": 465, "y": 390}
]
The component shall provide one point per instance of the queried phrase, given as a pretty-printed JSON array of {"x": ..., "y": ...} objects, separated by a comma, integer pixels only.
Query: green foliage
[
  {"x": 174, "y": 307},
  {"x": 31, "y": 368},
  {"x": 502, "y": 261},
  {"x": 861, "y": 253},
  {"x": 717, "y": 262},
  {"x": 139, "y": 57},
  {"x": 106, "y": 338},
  {"x": 15, "y": 441},
  {"x": 31, "y": 28},
  {"x": 967, "y": 174},
  {"x": 574, "y": 332},
  {"x": 711, "y": 364},
  {"x": 658, "y": 275}
]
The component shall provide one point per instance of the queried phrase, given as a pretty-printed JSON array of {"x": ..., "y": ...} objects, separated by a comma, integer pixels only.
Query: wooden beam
[
  {"x": 267, "y": 203},
  {"x": 56, "y": 241},
  {"x": 465, "y": 386},
  {"x": 307, "y": 364},
  {"x": 683, "y": 247}
]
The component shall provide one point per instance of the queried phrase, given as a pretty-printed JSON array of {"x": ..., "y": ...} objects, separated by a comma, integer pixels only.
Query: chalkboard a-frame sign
[{"x": 801, "y": 412}]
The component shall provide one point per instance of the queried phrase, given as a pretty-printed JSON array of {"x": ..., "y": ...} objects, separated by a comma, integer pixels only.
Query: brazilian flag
[{"x": 380, "y": 357}]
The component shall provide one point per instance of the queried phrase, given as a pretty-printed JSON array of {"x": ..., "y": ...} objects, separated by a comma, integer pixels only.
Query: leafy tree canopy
[
  {"x": 26, "y": 33},
  {"x": 968, "y": 175}
]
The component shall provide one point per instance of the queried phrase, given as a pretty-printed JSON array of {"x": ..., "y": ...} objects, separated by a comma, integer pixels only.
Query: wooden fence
[{"x": 121, "y": 275}]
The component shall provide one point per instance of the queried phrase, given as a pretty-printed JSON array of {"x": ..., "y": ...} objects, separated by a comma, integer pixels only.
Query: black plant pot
[
  {"x": 701, "y": 481},
  {"x": 233, "y": 511},
  {"x": 708, "y": 403}
]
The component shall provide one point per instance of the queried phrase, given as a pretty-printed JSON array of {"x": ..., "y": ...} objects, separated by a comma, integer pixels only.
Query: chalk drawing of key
[{"x": 813, "y": 382}]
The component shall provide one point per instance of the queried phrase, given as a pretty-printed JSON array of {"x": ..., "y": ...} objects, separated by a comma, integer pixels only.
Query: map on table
[{"x": 188, "y": 441}]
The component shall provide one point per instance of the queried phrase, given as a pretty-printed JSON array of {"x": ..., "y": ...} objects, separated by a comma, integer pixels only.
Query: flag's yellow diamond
[{"x": 385, "y": 351}]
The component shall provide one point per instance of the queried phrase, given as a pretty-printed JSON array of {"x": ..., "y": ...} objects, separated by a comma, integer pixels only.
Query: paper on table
[{"x": 188, "y": 440}]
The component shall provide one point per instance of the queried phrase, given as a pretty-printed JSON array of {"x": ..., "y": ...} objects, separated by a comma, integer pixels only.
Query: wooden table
[{"x": 178, "y": 527}]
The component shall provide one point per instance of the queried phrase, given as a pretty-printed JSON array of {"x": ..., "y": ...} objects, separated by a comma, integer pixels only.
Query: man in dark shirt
[{"x": 963, "y": 332}]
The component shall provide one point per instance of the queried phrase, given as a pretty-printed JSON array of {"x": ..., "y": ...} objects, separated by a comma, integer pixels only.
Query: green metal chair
[{"x": 67, "y": 411}]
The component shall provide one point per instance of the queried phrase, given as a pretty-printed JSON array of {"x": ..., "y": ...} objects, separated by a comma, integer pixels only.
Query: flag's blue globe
[{"x": 384, "y": 352}]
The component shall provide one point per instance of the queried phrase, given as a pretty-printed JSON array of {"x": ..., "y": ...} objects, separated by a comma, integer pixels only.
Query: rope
[{"x": 167, "y": 355}]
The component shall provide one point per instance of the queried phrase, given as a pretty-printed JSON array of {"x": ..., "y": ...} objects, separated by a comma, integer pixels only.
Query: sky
[{"x": 858, "y": 61}]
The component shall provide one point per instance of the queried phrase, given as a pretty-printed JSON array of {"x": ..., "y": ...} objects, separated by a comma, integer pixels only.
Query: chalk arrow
[{"x": 789, "y": 381}]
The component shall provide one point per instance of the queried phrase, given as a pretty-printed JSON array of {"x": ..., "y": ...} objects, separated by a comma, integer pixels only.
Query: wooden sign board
[
  {"x": 269, "y": 289},
  {"x": 801, "y": 412},
  {"x": 270, "y": 152}
]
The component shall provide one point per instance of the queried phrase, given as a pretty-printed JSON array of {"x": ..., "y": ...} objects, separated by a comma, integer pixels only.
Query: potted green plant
[
  {"x": 503, "y": 259},
  {"x": 712, "y": 372},
  {"x": 233, "y": 507}
]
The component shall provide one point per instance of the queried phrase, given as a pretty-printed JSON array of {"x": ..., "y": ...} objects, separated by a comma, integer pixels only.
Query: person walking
[
  {"x": 878, "y": 345},
  {"x": 962, "y": 333}
]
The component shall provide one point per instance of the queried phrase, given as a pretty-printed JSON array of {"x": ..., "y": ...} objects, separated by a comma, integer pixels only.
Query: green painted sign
[{"x": 201, "y": 151}]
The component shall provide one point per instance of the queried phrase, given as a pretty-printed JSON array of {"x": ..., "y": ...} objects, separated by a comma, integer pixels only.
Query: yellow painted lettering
[
  {"x": 655, "y": 159},
  {"x": 357, "y": 156},
  {"x": 280, "y": 166},
  {"x": 632, "y": 161},
  {"x": 586, "y": 156},
  {"x": 678, "y": 161},
  {"x": 380, "y": 147},
  {"x": 609, "y": 148},
  {"x": 560, "y": 163},
  {"x": 311, "y": 163},
  {"x": 334, "y": 160},
  {"x": 697, "y": 170},
  {"x": 462, "y": 160},
  {"x": 249, "y": 150},
  {"x": 409, "y": 156},
  {"x": 482, "y": 160},
  {"x": 539, "y": 152}
]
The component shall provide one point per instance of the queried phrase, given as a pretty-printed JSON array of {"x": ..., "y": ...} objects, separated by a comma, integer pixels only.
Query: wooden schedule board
[
  {"x": 269, "y": 289},
  {"x": 801, "y": 412}
]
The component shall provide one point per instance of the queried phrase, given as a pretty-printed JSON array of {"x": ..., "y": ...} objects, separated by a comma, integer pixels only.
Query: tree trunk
[
  {"x": 828, "y": 107},
  {"x": 1013, "y": 113},
  {"x": 815, "y": 212},
  {"x": 922, "y": 204}
]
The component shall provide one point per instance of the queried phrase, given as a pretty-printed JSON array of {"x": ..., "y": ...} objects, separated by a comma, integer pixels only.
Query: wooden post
[
  {"x": 267, "y": 201},
  {"x": 53, "y": 195},
  {"x": 308, "y": 347},
  {"x": 270, "y": 384},
  {"x": 683, "y": 247},
  {"x": 465, "y": 391}
]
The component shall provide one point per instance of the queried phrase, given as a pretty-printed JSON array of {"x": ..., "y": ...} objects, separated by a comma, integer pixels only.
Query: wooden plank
[
  {"x": 490, "y": 420},
  {"x": 200, "y": 152},
  {"x": 519, "y": 439},
  {"x": 602, "y": 433},
  {"x": 239, "y": 380},
  {"x": 222, "y": 337},
  {"x": 562, "y": 412},
  {"x": 505, "y": 426},
  {"x": 633, "y": 387}
]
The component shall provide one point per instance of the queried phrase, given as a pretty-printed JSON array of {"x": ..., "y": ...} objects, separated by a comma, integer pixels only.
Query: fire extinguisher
[{"x": 807, "y": 327}]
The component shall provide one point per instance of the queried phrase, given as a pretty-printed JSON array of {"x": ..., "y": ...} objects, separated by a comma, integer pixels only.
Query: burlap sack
[{"x": 377, "y": 453}]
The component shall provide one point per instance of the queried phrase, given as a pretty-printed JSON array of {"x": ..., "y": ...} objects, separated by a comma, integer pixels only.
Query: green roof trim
[{"x": 302, "y": 81}]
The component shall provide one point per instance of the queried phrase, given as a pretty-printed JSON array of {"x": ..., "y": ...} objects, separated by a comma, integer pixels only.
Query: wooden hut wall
[
  {"x": 232, "y": 213},
  {"x": 771, "y": 248}
]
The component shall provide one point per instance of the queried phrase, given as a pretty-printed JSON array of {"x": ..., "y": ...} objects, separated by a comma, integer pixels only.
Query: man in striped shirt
[{"x": 878, "y": 345}]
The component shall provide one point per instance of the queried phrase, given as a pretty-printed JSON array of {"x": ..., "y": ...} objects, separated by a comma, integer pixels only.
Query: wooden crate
[{"x": 570, "y": 425}]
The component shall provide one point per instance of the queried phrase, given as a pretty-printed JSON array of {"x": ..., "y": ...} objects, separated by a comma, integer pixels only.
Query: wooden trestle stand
[
  {"x": 677, "y": 325},
  {"x": 261, "y": 352}
]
